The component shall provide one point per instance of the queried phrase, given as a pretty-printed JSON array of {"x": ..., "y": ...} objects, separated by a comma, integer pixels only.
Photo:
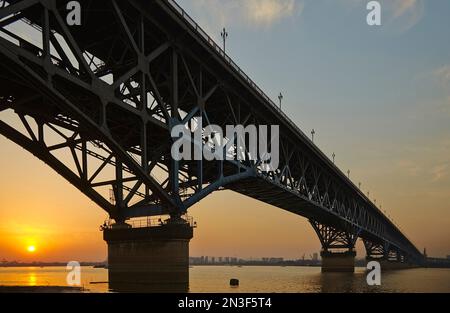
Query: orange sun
[{"x": 31, "y": 249}]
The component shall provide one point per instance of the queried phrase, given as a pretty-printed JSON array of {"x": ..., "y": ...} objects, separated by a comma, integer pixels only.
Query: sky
[{"x": 377, "y": 96}]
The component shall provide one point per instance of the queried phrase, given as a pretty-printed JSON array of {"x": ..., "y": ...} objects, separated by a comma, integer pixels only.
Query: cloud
[
  {"x": 410, "y": 167},
  {"x": 426, "y": 162},
  {"x": 266, "y": 12},
  {"x": 443, "y": 75},
  {"x": 398, "y": 15},
  {"x": 439, "y": 172},
  {"x": 401, "y": 7},
  {"x": 253, "y": 13},
  {"x": 406, "y": 13}
]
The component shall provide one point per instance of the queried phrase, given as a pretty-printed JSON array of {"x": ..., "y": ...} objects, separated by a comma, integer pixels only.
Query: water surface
[{"x": 252, "y": 279}]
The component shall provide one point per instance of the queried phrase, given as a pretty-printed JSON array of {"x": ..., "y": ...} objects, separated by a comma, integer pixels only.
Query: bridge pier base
[
  {"x": 389, "y": 259},
  {"x": 338, "y": 254},
  {"x": 151, "y": 259},
  {"x": 338, "y": 261}
]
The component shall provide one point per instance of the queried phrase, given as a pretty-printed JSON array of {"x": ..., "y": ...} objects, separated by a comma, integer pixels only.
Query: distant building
[
  {"x": 195, "y": 260},
  {"x": 213, "y": 260},
  {"x": 272, "y": 260},
  {"x": 220, "y": 259},
  {"x": 448, "y": 257},
  {"x": 315, "y": 256}
]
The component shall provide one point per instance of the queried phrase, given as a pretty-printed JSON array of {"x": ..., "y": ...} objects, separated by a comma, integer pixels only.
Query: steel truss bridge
[{"x": 97, "y": 103}]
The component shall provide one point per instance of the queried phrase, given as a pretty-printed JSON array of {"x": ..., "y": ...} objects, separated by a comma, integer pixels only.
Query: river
[{"x": 259, "y": 279}]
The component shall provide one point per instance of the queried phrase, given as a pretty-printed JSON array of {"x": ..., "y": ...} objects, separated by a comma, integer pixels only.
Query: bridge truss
[{"x": 97, "y": 103}]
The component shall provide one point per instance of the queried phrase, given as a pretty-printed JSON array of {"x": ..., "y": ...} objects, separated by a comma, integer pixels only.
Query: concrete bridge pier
[
  {"x": 338, "y": 254},
  {"x": 154, "y": 258},
  {"x": 388, "y": 257},
  {"x": 343, "y": 262}
]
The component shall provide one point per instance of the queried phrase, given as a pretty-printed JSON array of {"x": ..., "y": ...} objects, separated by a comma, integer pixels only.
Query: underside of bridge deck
[
  {"x": 389, "y": 257},
  {"x": 338, "y": 247}
]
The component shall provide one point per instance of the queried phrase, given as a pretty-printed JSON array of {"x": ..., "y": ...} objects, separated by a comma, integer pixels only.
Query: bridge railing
[{"x": 147, "y": 222}]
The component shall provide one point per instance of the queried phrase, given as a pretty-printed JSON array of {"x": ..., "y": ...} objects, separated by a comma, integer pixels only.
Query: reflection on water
[
  {"x": 32, "y": 281},
  {"x": 145, "y": 288},
  {"x": 310, "y": 279},
  {"x": 252, "y": 279}
]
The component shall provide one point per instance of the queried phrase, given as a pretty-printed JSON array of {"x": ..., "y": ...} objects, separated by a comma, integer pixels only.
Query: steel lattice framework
[{"x": 97, "y": 103}]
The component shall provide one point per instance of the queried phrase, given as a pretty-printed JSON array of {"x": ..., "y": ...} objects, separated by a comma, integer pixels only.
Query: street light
[
  {"x": 224, "y": 36},
  {"x": 280, "y": 98},
  {"x": 334, "y": 156},
  {"x": 313, "y": 132},
  {"x": 359, "y": 185},
  {"x": 348, "y": 173}
]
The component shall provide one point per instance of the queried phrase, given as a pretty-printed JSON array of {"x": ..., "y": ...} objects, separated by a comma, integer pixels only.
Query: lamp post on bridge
[
  {"x": 348, "y": 173},
  {"x": 334, "y": 156},
  {"x": 280, "y": 98},
  {"x": 313, "y": 132},
  {"x": 224, "y": 36},
  {"x": 359, "y": 185}
]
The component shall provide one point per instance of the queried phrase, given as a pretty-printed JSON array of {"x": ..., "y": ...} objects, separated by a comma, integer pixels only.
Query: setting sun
[{"x": 31, "y": 249}]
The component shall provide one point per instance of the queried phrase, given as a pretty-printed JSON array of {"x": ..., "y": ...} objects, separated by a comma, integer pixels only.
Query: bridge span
[{"x": 106, "y": 95}]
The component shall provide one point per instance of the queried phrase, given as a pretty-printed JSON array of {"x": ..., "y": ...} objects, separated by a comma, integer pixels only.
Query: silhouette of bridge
[{"x": 97, "y": 102}]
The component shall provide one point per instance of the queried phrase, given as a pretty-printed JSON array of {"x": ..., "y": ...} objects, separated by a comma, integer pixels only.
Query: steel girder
[
  {"x": 384, "y": 251},
  {"x": 335, "y": 239},
  {"x": 110, "y": 104},
  {"x": 111, "y": 90}
]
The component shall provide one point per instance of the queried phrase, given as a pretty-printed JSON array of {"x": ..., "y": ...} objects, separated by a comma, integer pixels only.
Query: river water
[{"x": 261, "y": 279}]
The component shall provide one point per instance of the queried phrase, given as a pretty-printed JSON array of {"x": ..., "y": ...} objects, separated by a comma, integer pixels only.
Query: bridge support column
[
  {"x": 389, "y": 259},
  {"x": 150, "y": 259},
  {"x": 338, "y": 254},
  {"x": 338, "y": 261}
]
